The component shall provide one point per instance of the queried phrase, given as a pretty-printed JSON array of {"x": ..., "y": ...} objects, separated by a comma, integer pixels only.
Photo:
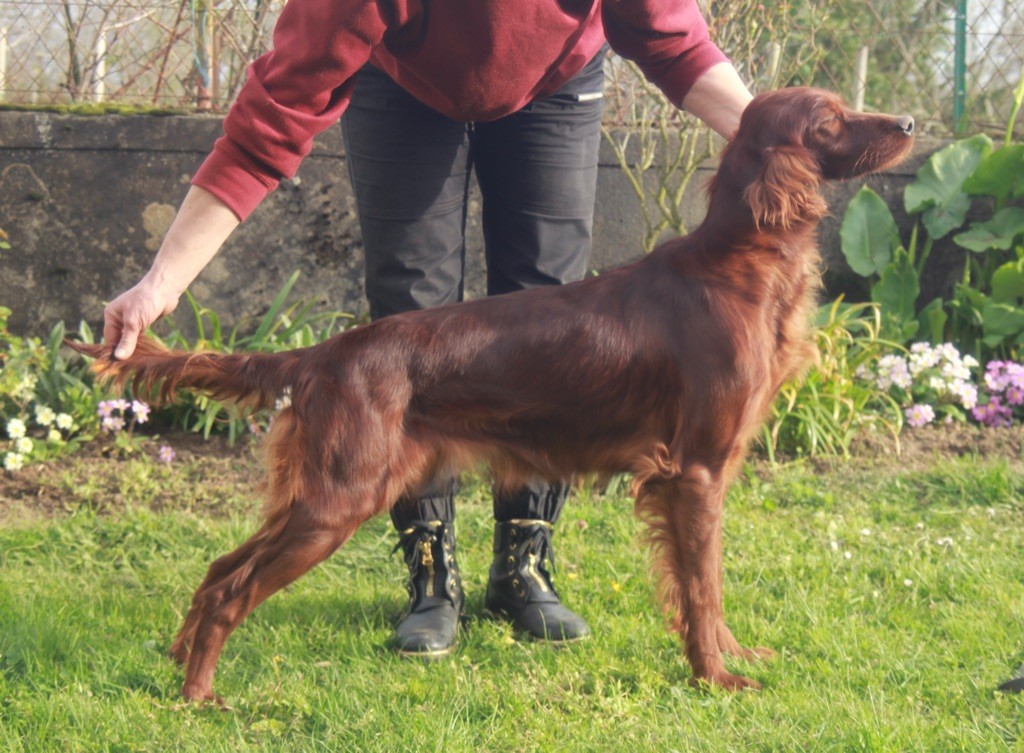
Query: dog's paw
[
  {"x": 198, "y": 694},
  {"x": 726, "y": 681}
]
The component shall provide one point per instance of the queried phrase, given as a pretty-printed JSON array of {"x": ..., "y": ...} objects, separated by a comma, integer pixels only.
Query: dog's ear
[{"x": 786, "y": 188}]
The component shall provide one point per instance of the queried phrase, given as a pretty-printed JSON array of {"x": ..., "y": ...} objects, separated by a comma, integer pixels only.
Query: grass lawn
[{"x": 894, "y": 596}]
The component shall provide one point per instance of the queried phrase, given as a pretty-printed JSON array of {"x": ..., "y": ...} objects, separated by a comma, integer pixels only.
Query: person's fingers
[
  {"x": 111, "y": 327},
  {"x": 129, "y": 338}
]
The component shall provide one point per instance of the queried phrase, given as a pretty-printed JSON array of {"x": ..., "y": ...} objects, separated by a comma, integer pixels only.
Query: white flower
[
  {"x": 847, "y": 555},
  {"x": 23, "y": 445},
  {"x": 26, "y": 387},
  {"x": 865, "y": 531},
  {"x": 908, "y": 582},
  {"x": 944, "y": 541},
  {"x": 64, "y": 421},
  {"x": 967, "y": 393},
  {"x": 45, "y": 415},
  {"x": 15, "y": 428},
  {"x": 13, "y": 461},
  {"x": 54, "y": 436}
]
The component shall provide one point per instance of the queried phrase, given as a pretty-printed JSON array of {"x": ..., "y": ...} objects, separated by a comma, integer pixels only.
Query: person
[{"x": 430, "y": 91}]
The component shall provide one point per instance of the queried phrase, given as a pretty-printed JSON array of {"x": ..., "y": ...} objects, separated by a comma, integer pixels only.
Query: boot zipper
[
  {"x": 531, "y": 569},
  {"x": 428, "y": 560}
]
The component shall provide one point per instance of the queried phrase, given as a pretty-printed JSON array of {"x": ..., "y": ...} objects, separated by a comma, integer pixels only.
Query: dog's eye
[{"x": 831, "y": 126}]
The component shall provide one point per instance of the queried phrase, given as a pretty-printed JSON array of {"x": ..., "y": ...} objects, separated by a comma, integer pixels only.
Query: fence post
[
  {"x": 202, "y": 20},
  {"x": 960, "y": 66},
  {"x": 860, "y": 79},
  {"x": 99, "y": 89},
  {"x": 3, "y": 63}
]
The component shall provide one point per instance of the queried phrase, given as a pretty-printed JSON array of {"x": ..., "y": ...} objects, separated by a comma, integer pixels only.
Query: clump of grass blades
[{"x": 822, "y": 413}]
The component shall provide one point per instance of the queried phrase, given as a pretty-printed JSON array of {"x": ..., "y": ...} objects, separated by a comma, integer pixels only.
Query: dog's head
[{"x": 791, "y": 139}]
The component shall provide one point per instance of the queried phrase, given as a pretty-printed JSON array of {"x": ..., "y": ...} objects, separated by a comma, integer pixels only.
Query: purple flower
[
  {"x": 919, "y": 415},
  {"x": 105, "y": 408},
  {"x": 994, "y": 414},
  {"x": 166, "y": 454}
]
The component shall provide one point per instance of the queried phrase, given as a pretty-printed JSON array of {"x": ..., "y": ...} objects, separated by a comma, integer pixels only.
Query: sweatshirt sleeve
[
  {"x": 668, "y": 39},
  {"x": 291, "y": 94}
]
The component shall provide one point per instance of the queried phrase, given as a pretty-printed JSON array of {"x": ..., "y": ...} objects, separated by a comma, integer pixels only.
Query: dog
[{"x": 663, "y": 368}]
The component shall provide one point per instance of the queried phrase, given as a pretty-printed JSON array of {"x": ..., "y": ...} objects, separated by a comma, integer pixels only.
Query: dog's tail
[{"x": 255, "y": 380}]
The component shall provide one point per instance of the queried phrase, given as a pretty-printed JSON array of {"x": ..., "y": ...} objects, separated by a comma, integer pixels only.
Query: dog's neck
[{"x": 730, "y": 226}]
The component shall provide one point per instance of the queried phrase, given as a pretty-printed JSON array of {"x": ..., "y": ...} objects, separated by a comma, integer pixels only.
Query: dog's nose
[{"x": 906, "y": 124}]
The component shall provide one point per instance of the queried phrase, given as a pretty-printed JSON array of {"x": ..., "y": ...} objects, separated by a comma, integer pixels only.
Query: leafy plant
[
  {"x": 986, "y": 312},
  {"x": 284, "y": 326},
  {"x": 823, "y": 413},
  {"x": 47, "y": 403}
]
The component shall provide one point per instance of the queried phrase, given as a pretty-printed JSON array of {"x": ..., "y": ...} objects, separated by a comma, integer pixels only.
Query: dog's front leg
[{"x": 693, "y": 505}]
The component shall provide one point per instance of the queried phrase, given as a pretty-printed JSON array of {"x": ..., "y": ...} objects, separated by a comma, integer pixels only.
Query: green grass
[{"x": 894, "y": 600}]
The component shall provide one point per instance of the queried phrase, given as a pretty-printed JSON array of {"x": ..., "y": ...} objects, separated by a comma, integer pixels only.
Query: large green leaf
[
  {"x": 1000, "y": 174},
  {"x": 897, "y": 290},
  {"x": 937, "y": 191},
  {"x": 868, "y": 233},
  {"x": 1001, "y": 321},
  {"x": 1008, "y": 282},
  {"x": 996, "y": 233}
]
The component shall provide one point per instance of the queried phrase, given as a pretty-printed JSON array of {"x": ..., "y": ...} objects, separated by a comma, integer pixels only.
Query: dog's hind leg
[
  {"x": 685, "y": 512},
  {"x": 217, "y": 571},
  {"x": 277, "y": 555}
]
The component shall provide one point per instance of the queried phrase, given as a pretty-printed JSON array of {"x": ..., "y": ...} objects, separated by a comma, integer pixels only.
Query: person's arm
[
  {"x": 668, "y": 40},
  {"x": 719, "y": 98},
  {"x": 199, "y": 229},
  {"x": 291, "y": 94}
]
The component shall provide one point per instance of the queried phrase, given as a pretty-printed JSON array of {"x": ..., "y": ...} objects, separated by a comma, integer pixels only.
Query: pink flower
[
  {"x": 919, "y": 415},
  {"x": 113, "y": 424},
  {"x": 166, "y": 454}
]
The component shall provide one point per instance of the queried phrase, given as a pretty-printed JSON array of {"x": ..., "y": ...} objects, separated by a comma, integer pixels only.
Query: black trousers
[{"x": 410, "y": 168}]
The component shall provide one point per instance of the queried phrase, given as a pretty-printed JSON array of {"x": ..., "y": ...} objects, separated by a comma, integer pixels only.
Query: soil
[
  {"x": 218, "y": 472},
  {"x": 215, "y": 471}
]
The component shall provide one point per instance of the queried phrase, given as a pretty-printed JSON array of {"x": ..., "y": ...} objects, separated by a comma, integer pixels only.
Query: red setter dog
[{"x": 663, "y": 368}]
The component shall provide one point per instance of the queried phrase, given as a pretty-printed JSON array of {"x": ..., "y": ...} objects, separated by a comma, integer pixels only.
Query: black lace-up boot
[
  {"x": 429, "y": 627},
  {"x": 520, "y": 585}
]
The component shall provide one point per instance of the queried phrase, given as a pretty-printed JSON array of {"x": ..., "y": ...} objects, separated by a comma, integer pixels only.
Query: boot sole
[
  {"x": 426, "y": 655},
  {"x": 555, "y": 642}
]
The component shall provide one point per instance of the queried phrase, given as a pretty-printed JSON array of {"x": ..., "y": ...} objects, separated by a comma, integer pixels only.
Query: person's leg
[
  {"x": 537, "y": 171},
  {"x": 409, "y": 166}
]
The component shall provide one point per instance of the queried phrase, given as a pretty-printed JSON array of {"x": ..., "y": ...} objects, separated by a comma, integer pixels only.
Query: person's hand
[{"x": 126, "y": 317}]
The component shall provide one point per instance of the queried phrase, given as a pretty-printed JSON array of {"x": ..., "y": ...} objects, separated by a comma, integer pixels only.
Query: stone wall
[{"x": 86, "y": 200}]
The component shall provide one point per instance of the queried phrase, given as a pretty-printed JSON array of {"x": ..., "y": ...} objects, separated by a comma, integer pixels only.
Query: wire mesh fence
[
  {"x": 951, "y": 63},
  {"x": 162, "y": 53}
]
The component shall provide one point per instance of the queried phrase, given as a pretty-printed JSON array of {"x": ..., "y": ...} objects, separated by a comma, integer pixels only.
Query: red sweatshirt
[{"x": 472, "y": 60}]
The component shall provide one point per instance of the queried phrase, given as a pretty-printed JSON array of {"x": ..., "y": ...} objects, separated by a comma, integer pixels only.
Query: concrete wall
[{"x": 86, "y": 200}]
